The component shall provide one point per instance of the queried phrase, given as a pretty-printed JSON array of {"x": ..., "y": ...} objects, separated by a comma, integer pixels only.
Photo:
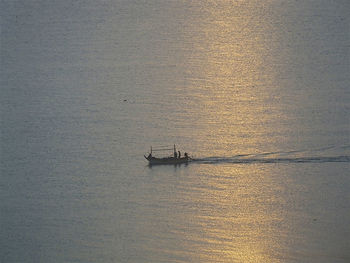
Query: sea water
[{"x": 257, "y": 92}]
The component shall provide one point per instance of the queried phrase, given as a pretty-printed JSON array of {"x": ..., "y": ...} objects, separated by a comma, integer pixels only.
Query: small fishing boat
[{"x": 175, "y": 159}]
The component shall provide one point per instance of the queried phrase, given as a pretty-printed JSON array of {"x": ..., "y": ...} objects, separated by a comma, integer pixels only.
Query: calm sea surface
[{"x": 258, "y": 92}]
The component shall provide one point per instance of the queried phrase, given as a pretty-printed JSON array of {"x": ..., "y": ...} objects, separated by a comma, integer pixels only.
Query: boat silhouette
[{"x": 174, "y": 159}]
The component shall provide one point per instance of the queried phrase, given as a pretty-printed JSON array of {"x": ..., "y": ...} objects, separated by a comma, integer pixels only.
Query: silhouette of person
[{"x": 179, "y": 154}]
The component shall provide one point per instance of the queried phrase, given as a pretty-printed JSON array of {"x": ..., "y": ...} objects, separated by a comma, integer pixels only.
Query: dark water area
[{"x": 257, "y": 93}]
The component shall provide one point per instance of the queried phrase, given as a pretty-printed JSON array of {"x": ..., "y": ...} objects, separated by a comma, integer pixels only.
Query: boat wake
[
  {"x": 321, "y": 155},
  {"x": 238, "y": 159}
]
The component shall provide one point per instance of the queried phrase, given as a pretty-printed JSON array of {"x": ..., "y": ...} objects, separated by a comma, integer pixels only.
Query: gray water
[{"x": 256, "y": 91}]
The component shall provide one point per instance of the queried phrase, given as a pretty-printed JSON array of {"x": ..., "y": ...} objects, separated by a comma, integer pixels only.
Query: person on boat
[
  {"x": 179, "y": 154},
  {"x": 186, "y": 155},
  {"x": 175, "y": 154}
]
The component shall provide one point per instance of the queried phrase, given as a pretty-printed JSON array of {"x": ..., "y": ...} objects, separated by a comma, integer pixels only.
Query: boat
[{"x": 174, "y": 160}]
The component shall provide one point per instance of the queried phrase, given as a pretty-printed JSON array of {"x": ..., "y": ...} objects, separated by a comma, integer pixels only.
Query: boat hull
[{"x": 167, "y": 160}]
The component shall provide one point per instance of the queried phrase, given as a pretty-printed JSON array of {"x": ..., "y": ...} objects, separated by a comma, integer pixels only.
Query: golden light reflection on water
[
  {"x": 235, "y": 86},
  {"x": 238, "y": 223},
  {"x": 222, "y": 213},
  {"x": 234, "y": 81}
]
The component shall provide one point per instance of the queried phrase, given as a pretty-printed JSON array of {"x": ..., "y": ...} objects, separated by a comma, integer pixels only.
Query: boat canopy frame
[{"x": 163, "y": 148}]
